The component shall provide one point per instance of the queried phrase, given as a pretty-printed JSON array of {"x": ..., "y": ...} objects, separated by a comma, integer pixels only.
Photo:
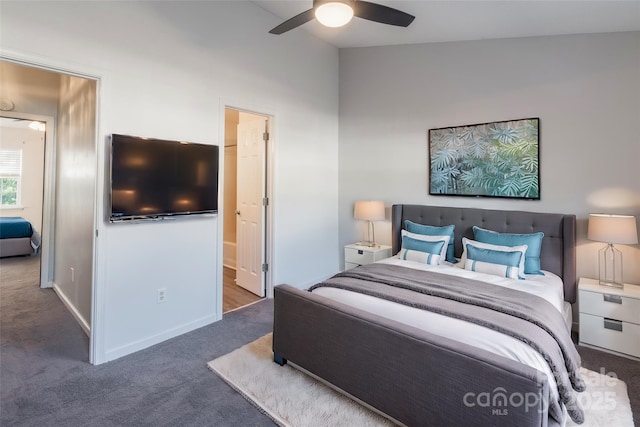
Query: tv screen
[{"x": 152, "y": 178}]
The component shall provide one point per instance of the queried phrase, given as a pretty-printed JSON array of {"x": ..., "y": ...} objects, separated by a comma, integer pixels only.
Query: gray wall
[
  {"x": 75, "y": 195},
  {"x": 585, "y": 89}
]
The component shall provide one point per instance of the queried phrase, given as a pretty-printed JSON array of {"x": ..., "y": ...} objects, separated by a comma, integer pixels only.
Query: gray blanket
[{"x": 526, "y": 317}]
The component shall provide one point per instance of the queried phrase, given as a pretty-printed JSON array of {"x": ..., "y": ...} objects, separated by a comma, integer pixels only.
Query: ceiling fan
[{"x": 336, "y": 13}]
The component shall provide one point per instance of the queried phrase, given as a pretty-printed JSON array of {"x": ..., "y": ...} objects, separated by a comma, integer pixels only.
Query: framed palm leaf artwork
[{"x": 498, "y": 159}]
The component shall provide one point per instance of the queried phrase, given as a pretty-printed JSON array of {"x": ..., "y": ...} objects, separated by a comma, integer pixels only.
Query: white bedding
[
  {"x": 549, "y": 287},
  {"x": 567, "y": 312}
]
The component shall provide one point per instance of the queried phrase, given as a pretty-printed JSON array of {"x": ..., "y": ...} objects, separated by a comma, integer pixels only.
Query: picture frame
[{"x": 495, "y": 159}]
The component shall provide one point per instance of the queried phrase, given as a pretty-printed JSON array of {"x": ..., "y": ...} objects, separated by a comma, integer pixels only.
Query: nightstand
[
  {"x": 355, "y": 255},
  {"x": 610, "y": 317}
]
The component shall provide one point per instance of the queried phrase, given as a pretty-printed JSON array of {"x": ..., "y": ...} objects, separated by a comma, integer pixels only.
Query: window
[{"x": 10, "y": 177}]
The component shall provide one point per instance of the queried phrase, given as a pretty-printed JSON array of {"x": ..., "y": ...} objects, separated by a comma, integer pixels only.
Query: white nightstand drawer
[
  {"x": 358, "y": 256},
  {"x": 355, "y": 255},
  {"x": 610, "y": 334},
  {"x": 610, "y": 305}
]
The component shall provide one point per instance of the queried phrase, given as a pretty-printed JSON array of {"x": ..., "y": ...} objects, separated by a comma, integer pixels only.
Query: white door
[{"x": 249, "y": 208}]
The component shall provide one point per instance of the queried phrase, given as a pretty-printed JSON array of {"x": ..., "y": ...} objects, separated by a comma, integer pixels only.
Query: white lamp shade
[
  {"x": 334, "y": 14},
  {"x": 369, "y": 210},
  {"x": 619, "y": 229}
]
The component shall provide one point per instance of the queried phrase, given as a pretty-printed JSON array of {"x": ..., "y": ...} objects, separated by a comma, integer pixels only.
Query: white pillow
[
  {"x": 493, "y": 266},
  {"x": 425, "y": 238},
  {"x": 419, "y": 256}
]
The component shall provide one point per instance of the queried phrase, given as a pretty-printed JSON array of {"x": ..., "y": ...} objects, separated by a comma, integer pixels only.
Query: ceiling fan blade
[
  {"x": 383, "y": 14},
  {"x": 294, "y": 22}
]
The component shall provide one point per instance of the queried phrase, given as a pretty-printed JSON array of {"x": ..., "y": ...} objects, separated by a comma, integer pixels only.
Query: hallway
[{"x": 34, "y": 324}]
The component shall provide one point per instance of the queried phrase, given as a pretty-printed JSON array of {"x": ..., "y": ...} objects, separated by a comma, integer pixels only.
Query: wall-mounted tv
[{"x": 155, "y": 178}]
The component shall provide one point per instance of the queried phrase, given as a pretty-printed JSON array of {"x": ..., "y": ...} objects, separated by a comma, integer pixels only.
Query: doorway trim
[
  {"x": 48, "y": 200},
  {"x": 269, "y": 231},
  {"x": 98, "y": 298}
]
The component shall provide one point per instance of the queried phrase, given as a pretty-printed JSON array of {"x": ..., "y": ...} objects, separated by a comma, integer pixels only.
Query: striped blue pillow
[
  {"x": 533, "y": 242},
  {"x": 421, "y": 250},
  {"x": 432, "y": 230},
  {"x": 423, "y": 237},
  {"x": 493, "y": 262},
  {"x": 505, "y": 261}
]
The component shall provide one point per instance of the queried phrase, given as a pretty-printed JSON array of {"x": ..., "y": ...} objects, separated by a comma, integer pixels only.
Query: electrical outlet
[
  {"x": 73, "y": 274},
  {"x": 162, "y": 295}
]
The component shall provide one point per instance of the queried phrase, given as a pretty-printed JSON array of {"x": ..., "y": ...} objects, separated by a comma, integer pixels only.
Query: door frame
[
  {"x": 98, "y": 298},
  {"x": 269, "y": 223},
  {"x": 47, "y": 231}
]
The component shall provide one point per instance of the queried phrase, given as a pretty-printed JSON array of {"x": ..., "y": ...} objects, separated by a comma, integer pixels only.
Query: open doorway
[
  {"x": 22, "y": 154},
  {"x": 245, "y": 208},
  {"x": 67, "y": 105},
  {"x": 29, "y": 105}
]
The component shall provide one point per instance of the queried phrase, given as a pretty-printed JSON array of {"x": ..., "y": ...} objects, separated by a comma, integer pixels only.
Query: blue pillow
[
  {"x": 533, "y": 242},
  {"x": 421, "y": 250},
  {"x": 496, "y": 262},
  {"x": 431, "y": 230},
  {"x": 423, "y": 237}
]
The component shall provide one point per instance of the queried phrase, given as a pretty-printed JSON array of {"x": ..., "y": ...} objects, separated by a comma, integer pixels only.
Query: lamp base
[
  {"x": 368, "y": 244},
  {"x": 610, "y": 266},
  {"x": 611, "y": 284}
]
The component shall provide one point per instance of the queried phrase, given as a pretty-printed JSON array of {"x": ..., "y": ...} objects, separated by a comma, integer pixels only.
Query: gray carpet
[
  {"x": 46, "y": 380},
  {"x": 626, "y": 369},
  {"x": 45, "y": 377}
]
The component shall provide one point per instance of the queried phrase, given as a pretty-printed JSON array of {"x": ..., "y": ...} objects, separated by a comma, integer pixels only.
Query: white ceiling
[
  {"x": 457, "y": 20},
  {"x": 28, "y": 86}
]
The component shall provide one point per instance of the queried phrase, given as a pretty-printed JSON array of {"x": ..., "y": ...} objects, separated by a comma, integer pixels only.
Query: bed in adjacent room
[
  {"x": 484, "y": 341},
  {"x": 17, "y": 237}
]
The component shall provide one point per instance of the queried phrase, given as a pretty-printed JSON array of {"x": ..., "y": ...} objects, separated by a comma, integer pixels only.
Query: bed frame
[
  {"x": 412, "y": 376},
  {"x": 15, "y": 247}
]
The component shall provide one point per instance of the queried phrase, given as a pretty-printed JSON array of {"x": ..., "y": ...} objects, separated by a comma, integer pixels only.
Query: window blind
[{"x": 10, "y": 163}]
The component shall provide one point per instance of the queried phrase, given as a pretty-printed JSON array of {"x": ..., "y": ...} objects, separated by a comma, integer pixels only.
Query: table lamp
[
  {"x": 620, "y": 229},
  {"x": 369, "y": 211}
]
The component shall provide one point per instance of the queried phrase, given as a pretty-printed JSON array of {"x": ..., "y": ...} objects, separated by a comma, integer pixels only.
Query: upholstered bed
[
  {"x": 410, "y": 373},
  {"x": 17, "y": 237}
]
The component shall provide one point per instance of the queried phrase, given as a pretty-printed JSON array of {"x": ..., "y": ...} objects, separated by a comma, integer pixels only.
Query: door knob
[{"x": 237, "y": 212}]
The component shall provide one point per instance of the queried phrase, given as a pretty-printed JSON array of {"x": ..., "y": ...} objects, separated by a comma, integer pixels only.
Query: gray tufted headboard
[{"x": 558, "y": 253}]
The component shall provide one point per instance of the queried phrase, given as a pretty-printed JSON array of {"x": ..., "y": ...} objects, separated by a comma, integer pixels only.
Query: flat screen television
[{"x": 155, "y": 178}]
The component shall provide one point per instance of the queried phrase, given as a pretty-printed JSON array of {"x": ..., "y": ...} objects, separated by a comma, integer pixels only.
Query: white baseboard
[
  {"x": 72, "y": 308},
  {"x": 132, "y": 347},
  {"x": 229, "y": 254}
]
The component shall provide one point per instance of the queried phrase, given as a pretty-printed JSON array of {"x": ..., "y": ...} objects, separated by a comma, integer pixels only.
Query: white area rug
[{"x": 292, "y": 398}]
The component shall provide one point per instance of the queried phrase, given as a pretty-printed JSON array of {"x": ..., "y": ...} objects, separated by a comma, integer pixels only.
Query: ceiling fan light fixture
[{"x": 334, "y": 14}]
